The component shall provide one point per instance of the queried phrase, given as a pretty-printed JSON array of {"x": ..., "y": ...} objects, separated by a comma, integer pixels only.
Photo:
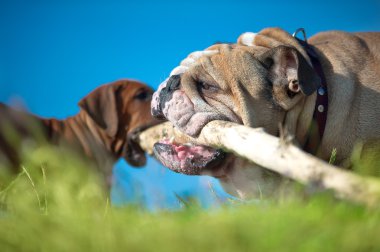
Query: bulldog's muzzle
[{"x": 172, "y": 104}]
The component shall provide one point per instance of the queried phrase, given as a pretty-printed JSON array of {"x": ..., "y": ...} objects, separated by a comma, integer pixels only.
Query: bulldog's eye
[{"x": 206, "y": 86}]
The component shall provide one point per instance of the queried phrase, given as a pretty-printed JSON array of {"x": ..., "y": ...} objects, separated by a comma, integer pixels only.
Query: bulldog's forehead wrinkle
[
  {"x": 190, "y": 61},
  {"x": 247, "y": 38},
  {"x": 210, "y": 70}
]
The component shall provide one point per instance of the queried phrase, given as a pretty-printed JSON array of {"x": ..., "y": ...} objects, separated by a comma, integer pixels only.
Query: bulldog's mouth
[{"x": 188, "y": 158}]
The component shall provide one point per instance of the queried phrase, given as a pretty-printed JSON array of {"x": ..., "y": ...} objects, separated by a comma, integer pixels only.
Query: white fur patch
[
  {"x": 247, "y": 38},
  {"x": 179, "y": 70},
  {"x": 197, "y": 54},
  {"x": 187, "y": 62}
]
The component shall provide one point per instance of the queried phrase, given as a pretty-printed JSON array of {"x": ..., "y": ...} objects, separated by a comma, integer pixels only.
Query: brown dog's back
[{"x": 17, "y": 127}]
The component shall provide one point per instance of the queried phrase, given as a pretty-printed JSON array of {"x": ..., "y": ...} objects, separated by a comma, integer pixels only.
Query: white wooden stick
[{"x": 275, "y": 154}]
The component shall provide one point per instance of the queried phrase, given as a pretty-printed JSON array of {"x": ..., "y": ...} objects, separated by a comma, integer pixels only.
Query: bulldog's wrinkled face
[{"x": 254, "y": 86}]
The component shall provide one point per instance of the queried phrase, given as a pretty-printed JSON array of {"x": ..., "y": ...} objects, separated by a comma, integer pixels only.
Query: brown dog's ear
[
  {"x": 288, "y": 67},
  {"x": 101, "y": 106}
]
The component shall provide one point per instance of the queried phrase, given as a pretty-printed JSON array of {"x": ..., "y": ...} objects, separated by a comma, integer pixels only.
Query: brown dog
[
  {"x": 104, "y": 130},
  {"x": 271, "y": 78}
]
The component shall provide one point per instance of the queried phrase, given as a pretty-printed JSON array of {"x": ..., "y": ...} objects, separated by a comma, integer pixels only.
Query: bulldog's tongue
[{"x": 187, "y": 159}]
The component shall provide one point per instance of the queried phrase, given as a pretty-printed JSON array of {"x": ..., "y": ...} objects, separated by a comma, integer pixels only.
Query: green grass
[{"x": 56, "y": 204}]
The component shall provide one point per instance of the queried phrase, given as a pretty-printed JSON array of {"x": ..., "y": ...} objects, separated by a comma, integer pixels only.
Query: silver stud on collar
[
  {"x": 321, "y": 91},
  {"x": 321, "y": 108}
]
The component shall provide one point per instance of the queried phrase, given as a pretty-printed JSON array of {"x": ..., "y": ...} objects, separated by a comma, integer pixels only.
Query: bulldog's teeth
[{"x": 188, "y": 144}]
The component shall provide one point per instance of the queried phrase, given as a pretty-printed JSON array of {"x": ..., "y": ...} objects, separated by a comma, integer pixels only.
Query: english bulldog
[{"x": 270, "y": 79}]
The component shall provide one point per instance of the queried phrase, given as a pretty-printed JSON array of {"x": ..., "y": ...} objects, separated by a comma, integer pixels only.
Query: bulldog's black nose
[{"x": 166, "y": 94}]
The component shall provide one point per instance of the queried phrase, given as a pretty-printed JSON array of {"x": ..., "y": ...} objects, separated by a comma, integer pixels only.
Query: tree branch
[{"x": 275, "y": 154}]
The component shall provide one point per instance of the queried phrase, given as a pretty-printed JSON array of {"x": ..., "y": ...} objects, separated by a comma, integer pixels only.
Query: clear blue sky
[{"x": 52, "y": 53}]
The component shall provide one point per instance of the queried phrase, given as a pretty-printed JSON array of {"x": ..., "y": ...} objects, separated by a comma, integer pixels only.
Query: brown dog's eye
[{"x": 143, "y": 95}]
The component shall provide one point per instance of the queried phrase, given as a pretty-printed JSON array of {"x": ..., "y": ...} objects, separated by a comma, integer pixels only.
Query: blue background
[{"x": 53, "y": 53}]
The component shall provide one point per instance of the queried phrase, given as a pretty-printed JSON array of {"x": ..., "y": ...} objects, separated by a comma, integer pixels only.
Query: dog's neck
[
  {"x": 298, "y": 120},
  {"x": 113, "y": 145},
  {"x": 80, "y": 131}
]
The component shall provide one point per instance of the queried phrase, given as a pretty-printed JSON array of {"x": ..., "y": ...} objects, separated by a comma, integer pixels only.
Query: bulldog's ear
[
  {"x": 288, "y": 67},
  {"x": 101, "y": 106}
]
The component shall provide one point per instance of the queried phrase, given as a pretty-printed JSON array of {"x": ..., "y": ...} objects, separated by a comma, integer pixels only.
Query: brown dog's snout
[{"x": 164, "y": 95}]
